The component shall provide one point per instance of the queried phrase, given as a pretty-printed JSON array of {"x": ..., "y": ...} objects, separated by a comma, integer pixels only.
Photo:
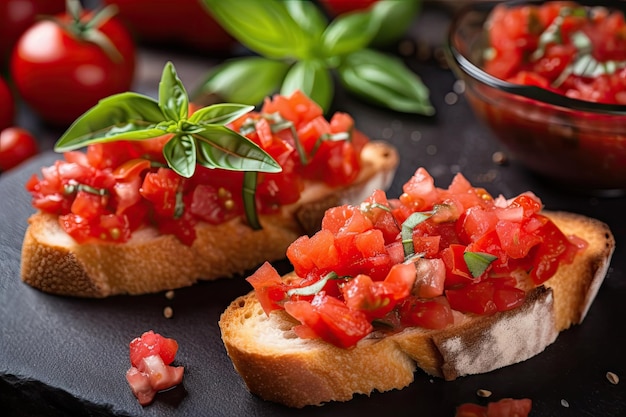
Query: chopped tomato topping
[
  {"x": 130, "y": 179},
  {"x": 507, "y": 407},
  {"x": 375, "y": 263},
  {"x": 151, "y": 371}
]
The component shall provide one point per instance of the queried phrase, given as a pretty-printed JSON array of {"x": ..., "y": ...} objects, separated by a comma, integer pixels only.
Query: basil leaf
[
  {"x": 244, "y": 80},
  {"x": 308, "y": 16},
  {"x": 219, "y": 114},
  {"x": 249, "y": 199},
  {"x": 407, "y": 231},
  {"x": 173, "y": 98},
  {"x": 478, "y": 262},
  {"x": 393, "y": 18},
  {"x": 347, "y": 33},
  {"x": 384, "y": 80},
  {"x": 220, "y": 147},
  {"x": 313, "y": 288},
  {"x": 180, "y": 154},
  {"x": 313, "y": 79},
  {"x": 127, "y": 116},
  {"x": 265, "y": 26}
]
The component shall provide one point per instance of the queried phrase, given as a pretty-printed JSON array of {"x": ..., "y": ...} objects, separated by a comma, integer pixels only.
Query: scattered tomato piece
[{"x": 151, "y": 371}]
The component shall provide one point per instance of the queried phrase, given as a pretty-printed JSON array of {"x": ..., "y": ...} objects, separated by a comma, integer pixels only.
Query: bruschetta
[
  {"x": 152, "y": 195},
  {"x": 453, "y": 281}
]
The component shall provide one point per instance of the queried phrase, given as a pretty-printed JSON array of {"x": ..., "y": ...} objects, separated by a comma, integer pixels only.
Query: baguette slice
[
  {"x": 149, "y": 262},
  {"x": 278, "y": 366}
]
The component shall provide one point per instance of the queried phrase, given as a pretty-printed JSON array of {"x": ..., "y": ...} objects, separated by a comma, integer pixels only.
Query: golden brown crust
[
  {"x": 278, "y": 366},
  {"x": 53, "y": 262}
]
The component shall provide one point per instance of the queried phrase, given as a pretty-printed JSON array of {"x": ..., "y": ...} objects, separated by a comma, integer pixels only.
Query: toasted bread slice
[
  {"x": 149, "y": 262},
  {"x": 279, "y": 366}
]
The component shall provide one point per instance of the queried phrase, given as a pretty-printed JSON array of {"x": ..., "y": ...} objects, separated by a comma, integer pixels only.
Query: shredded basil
[
  {"x": 313, "y": 288},
  {"x": 478, "y": 262},
  {"x": 407, "y": 231}
]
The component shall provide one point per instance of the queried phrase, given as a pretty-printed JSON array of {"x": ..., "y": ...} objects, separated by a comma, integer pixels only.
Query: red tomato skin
[
  {"x": 61, "y": 77},
  {"x": 16, "y": 145},
  {"x": 17, "y": 16},
  {"x": 7, "y": 105},
  {"x": 151, "y": 343}
]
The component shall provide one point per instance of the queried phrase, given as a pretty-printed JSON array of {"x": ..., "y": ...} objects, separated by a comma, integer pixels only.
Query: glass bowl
[{"x": 576, "y": 143}]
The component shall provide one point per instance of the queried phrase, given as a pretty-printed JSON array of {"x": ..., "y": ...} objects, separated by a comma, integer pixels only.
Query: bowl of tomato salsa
[{"x": 549, "y": 79}]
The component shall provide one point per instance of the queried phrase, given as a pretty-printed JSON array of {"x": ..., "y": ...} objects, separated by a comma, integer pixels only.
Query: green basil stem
[{"x": 249, "y": 199}]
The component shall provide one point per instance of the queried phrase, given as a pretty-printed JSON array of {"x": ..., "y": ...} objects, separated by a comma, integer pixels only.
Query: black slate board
[{"x": 62, "y": 356}]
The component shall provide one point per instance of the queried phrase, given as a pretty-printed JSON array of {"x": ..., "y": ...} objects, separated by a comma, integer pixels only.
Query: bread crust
[
  {"x": 278, "y": 366},
  {"x": 53, "y": 262}
]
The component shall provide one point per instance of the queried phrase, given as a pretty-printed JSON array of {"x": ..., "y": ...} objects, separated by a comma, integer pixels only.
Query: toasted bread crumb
[
  {"x": 612, "y": 377},
  {"x": 484, "y": 393}
]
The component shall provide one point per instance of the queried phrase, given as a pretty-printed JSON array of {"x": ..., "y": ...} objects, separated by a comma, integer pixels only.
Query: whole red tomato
[
  {"x": 7, "y": 105},
  {"x": 16, "y": 145},
  {"x": 17, "y": 16},
  {"x": 183, "y": 23},
  {"x": 62, "y": 67}
]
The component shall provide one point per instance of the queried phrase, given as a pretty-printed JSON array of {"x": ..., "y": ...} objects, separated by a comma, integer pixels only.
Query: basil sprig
[
  {"x": 199, "y": 139},
  {"x": 300, "y": 50}
]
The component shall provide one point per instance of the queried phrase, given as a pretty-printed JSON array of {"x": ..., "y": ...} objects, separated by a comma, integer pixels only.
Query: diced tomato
[
  {"x": 477, "y": 298},
  {"x": 268, "y": 287},
  {"x": 457, "y": 271},
  {"x": 345, "y": 220},
  {"x": 161, "y": 188},
  {"x": 151, "y": 343},
  {"x": 331, "y": 319},
  {"x": 471, "y": 410},
  {"x": 506, "y": 407},
  {"x": 431, "y": 277},
  {"x": 150, "y": 371},
  {"x": 509, "y": 407},
  {"x": 429, "y": 314}
]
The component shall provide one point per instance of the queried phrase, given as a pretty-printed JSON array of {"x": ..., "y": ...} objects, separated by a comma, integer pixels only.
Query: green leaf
[
  {"x": 478, "y": 262},
  {"x": 384, "y": 80},
  {"x": 219, "y": 114},
  {"x": 180, "y": 154},
  {"x": 347, "y": 33},
  {"x": 313, "y": 288},
  {"x": 308, "y": 16},
  {"x": 393, "y": 18},
  {"x": 313, "y": 79},
  {"x": 125, "y": 116},
  {"x": 244, "y": 80},
  {"x": 265, "y": 26},
  {"x": 173, "y": 98},
  {"x": 407, "y": 231},
  {"x": 220, "y": 147}
]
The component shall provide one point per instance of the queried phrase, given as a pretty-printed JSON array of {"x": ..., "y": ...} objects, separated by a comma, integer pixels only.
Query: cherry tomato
[
  {"x": 16, "y": 145},
  {"x": 17, "y": 16},
  {"x": 179, "y": 23},
  {"x": 7, "y": 105},
  {"x": 60, "y": 74}
]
